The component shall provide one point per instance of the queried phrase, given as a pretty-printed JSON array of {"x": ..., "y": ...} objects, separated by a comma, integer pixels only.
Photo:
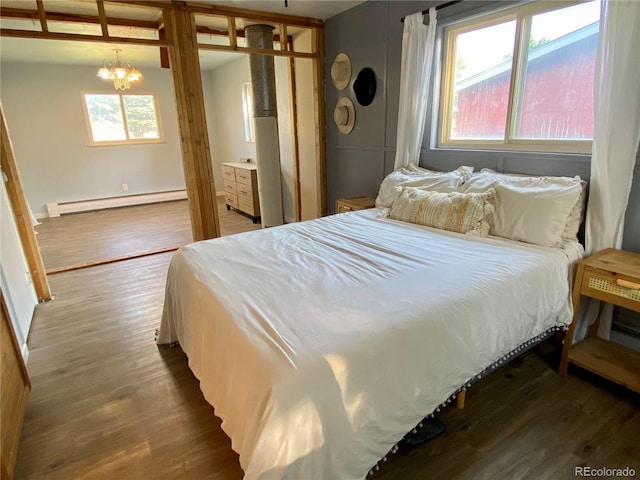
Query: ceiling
[{"x": 25, "y": 50}]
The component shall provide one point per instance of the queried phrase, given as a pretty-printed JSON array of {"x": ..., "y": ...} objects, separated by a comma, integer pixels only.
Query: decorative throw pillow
[{"x": 456, "y": 212}]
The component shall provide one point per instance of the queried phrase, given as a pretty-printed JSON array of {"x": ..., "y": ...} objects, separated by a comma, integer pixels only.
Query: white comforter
[{"x": 320, "y": 344}]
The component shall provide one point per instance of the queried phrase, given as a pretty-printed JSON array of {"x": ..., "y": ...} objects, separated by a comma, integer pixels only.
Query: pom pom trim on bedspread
[{"x": 494, "y": 366}]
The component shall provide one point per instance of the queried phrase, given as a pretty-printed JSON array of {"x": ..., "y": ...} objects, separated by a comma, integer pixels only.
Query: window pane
[
  {"x": 557, "y": 101},
  {"x": 482, "y": 74},
  {"x": 141, "y": 116},
  {"x": 105, "y": 117}
]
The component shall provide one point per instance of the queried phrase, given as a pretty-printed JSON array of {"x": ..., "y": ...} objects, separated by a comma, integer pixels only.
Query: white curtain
[
  {"x": 616, "y": 129},
  {"x": 417, "y": 58}
]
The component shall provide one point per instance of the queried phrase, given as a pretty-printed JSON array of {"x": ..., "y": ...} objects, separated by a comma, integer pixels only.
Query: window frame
[
  {"x": 128, "y": 141},
  {"x": 523, "y": 15}
]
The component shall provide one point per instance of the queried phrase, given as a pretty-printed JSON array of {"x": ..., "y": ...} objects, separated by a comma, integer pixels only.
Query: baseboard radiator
[{"x": 57, "y": 209}]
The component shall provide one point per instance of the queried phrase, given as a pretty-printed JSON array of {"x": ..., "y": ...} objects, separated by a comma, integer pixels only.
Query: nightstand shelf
[
  {"x": 352, "y": 204},
  {"x": 610, "y": 276}
]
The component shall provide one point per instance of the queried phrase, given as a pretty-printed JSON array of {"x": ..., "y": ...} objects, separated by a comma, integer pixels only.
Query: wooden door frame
[
  {"x": 182, "y": 44},
  {"x": 22, "y": 214}
]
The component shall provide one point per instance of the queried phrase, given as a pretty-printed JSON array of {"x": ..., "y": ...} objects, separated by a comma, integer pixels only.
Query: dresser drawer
[
  {"x": 244, "y": 176},
  {"x": 231, "y": 199},
  {"x": 245, "y": 192},
  {"x": 249, "y": 207},
  {"x": 611, "y": 288},
  {"x": 230, "y": 186},
  {"x": 228, "y": 173}
]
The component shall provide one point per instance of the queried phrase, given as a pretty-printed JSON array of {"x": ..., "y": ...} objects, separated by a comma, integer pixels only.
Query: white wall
[
  {"x": 309, "y": 181},
  {"x": 285, "y": 132},
  {"x": 44, "y": 110},
  {"x": 222, "y": 89}
]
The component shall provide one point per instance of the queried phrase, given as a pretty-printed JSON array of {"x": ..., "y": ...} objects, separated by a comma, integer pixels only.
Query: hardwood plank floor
[
  {"x": 107, "y": 403},
  {"x": 93, "y": 237}
]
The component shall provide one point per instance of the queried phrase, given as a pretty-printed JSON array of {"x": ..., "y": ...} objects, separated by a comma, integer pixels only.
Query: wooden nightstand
[
  {"x": 352, "y": 204},
  {"x": 610, "y": 276}
]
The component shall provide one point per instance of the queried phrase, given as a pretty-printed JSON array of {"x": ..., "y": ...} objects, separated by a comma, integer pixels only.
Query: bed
[{"x": 320, "y": 344}]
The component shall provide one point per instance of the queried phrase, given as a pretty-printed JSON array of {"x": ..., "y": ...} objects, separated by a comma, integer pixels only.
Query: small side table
[
  {"x": 352, "y": 204},
  {"x": 610, "y": 276}
]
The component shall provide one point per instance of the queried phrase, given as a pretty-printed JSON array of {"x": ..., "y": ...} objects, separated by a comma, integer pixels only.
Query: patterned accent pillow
[{"x": 466, "y": 213}]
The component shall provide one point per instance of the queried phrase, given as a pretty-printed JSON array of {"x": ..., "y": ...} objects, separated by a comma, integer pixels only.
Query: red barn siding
[{"x": 558, "y": 98}]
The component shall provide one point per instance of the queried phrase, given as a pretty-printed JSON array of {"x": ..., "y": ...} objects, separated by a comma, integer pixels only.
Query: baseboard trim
[{"x": 57, "y": 209}]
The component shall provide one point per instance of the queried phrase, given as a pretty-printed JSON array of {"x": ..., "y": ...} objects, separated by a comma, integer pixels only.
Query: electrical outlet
[{"x": 125, "y": 187}]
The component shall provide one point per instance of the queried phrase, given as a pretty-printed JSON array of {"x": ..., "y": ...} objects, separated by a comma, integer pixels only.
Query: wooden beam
[
  {"x": 317, "y": 46},
  {"x": 228, "y": 33},
  {"x": 196, "y": 154},
  {"x": 261, "y": 51},
  {"x": 297, "y": 200},
  {"x": 22, "y": 213},
  {"x": 283, "y": 35},
  {"x": 74, "y": 18},
  {"x": 267, "y": 17},
  {"x": 233, "y": 35},
  {"x": 9, "y": 32},
  {"x": 42, "y": 16},
  {"x": 164, "y": 53},
  {"x": 102, "y": 16},
  {"x": 157, "y": 4}
]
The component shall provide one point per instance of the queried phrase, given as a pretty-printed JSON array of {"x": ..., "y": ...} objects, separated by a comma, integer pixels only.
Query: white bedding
[{"x": 320, "y": 344}]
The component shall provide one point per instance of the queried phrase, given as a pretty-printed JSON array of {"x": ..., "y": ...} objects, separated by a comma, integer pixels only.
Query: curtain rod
[{"x": 439, "y": 7}]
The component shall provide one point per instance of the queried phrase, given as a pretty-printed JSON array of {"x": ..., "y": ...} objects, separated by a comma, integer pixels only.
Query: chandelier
[{"x": 122, "y": 74}]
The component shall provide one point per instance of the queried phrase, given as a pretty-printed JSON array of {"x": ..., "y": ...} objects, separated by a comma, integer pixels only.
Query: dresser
[{"x": 241, "y": 188}]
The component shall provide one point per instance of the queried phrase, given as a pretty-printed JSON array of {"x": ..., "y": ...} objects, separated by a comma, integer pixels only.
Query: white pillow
[
  {"x": 487, "y": 178},
  {"x": 440, "y": 182},
  {"x": 534, "y": 214},
  {"x": 478, "y": 183},
  {"x": 463, "y": 170}
]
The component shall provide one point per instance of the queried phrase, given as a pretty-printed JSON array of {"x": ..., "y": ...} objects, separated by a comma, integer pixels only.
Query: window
[
  {"x": 521, "y": 79},
  {"x": 247, "y": 110},
  {"x": 118, "y": 118}
]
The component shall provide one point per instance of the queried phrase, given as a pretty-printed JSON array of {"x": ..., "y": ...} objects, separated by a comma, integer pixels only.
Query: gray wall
[
  {"x": 371, "y": 34},
  {"x": 44, "y": 109}
]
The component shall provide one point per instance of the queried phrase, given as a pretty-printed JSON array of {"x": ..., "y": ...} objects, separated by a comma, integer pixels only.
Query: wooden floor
[
  {"x": 81, "y": 239},
  {"x": 107, "y": 403}
]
